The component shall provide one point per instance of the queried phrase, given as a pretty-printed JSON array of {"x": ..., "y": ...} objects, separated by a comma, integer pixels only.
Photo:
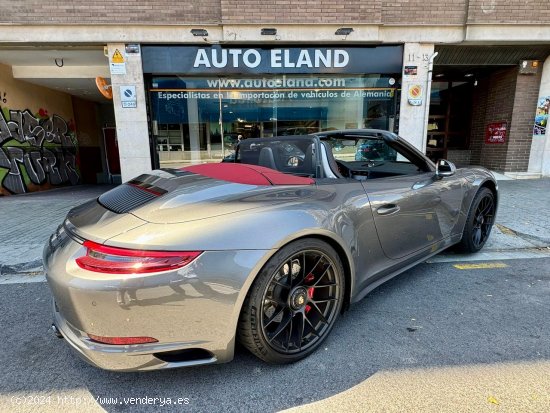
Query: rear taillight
[
  {"x": 122, "y": 341},
  {"x": 101, "y": 258}
]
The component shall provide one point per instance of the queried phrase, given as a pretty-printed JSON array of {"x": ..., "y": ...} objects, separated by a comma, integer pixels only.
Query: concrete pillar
[
  {"x": 413, "y": 119},
  {"x": 131, "y": 123},
  {"x": 194, "y": 129},
  {"x": 539, "y": 159}
]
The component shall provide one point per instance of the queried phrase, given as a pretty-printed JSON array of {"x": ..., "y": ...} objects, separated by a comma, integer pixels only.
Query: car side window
[{"x": 372, "y": 157}]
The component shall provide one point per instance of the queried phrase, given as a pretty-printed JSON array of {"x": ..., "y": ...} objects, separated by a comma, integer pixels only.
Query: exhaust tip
[{"x": 56, "y": 331}]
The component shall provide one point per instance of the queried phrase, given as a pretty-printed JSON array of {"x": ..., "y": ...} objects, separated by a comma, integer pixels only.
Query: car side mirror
[{"x": 444, "y": 168}]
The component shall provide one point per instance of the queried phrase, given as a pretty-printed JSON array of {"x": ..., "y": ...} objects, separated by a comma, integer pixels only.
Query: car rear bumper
[
  {"x": 192, "y": 312},
  {"x": 125, "y": 358}
]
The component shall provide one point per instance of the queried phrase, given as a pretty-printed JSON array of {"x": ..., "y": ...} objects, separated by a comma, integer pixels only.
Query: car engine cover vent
[{"x": 126, "y": 197}]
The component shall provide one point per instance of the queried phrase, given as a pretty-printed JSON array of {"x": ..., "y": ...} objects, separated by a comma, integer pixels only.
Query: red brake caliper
[{"x": 310, "y": 277}]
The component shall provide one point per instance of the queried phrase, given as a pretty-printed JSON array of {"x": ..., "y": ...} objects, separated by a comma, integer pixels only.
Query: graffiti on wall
[{"x": 36, "y": 151}]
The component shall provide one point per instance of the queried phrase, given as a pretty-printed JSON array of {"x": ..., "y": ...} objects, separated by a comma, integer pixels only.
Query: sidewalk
[
  {"x": 522, "y": 227},
  {"x": 523, "y": 217},
  {"x": 522, "y": 224},
  {"x": 28, "y": 221}
]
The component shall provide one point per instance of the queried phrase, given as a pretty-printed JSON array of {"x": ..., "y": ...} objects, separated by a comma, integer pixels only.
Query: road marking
[
  {"x": 506, "y": 230},
  {"x": 481, "y": 265}
]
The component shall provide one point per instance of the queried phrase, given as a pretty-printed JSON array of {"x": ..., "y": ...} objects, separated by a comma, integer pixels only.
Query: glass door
[{"x": 449, "y": 119}]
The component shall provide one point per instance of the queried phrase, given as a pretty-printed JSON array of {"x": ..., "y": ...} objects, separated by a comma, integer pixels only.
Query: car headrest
[{"x": 266, "y": 158}]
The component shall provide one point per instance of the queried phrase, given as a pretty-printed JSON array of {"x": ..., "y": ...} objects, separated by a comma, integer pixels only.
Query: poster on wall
[
  {"x": 541, "y": 117},
  {"x": 496, "y": 132}
]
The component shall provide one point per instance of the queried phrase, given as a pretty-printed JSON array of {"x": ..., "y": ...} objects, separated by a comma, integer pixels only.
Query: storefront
[{"x": 202, "y": 100}]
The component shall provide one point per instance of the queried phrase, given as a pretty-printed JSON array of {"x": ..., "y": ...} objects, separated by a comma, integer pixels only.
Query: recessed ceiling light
[
  {"x": 468, "y": 75},
  {"x": 199, "y": 32},
  {"x": 343, "y": 31},
  {"x": 268, "y": 31}
]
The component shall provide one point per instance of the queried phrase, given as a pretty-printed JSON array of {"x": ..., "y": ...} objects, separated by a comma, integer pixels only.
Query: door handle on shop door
[{"x": 388, "y": 209}]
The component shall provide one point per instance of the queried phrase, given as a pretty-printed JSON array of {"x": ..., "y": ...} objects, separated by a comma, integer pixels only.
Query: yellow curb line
[{"x": 481, "y": 265}]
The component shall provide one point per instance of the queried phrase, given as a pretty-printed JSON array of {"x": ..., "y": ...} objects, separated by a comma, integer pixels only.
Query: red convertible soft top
[{"x": 247, "y": 174}]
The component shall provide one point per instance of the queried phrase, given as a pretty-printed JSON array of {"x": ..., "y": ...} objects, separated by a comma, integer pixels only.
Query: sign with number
[{"x": 128, "y": 97}]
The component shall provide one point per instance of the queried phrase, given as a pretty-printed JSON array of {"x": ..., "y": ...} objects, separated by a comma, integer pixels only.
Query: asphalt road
[{"x": 436, "y": 338}]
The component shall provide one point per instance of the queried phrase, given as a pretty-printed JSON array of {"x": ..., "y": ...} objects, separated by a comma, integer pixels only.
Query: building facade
[{"x": 468, "y": 81}]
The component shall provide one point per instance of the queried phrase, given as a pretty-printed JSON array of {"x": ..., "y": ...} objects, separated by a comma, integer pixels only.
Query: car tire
[
  {"x": 479, "y": 222},
  {"x": 293, "y": 303}
]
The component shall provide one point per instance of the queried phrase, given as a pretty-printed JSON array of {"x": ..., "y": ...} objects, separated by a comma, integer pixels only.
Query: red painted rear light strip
[{"x": 151, "y": 189}]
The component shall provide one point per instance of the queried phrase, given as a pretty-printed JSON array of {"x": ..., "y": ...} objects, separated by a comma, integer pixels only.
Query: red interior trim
[
  {"x": 147, "y": 188},
  {"x": 247, "y": 174}
]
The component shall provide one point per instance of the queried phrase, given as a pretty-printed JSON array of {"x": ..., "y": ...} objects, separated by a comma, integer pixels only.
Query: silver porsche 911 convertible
[{"x": 268, "y": 247}]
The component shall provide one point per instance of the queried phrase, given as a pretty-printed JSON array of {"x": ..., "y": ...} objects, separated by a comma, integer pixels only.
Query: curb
[
  {"x": 26, "y": 268},
  {"x": 493, "y": 255}
]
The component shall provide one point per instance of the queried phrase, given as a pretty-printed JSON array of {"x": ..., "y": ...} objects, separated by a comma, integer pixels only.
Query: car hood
[{"x": 166, "y": 197}]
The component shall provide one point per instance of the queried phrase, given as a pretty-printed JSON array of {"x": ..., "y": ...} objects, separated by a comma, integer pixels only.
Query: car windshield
[{"x": 293, "y": 155}]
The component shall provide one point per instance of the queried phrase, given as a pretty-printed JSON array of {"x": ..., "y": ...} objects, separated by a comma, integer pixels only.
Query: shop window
[
  {"x": 449, "y": 119},
  {"x": 202, "y": 119}
]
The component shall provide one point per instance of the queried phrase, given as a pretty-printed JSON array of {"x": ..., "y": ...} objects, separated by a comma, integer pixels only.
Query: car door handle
[{"x": 388, "y": 209}]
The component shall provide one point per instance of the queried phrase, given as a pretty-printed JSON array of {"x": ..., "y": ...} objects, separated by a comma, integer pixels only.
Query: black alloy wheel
[
  {"x": 483, "y": 220},
  {"x": 294, "y": 303},
  {"x": 479, "y": 222}
]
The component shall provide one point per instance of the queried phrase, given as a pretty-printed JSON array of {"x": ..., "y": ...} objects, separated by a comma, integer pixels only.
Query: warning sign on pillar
[{"x": 117, "y": 63}]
